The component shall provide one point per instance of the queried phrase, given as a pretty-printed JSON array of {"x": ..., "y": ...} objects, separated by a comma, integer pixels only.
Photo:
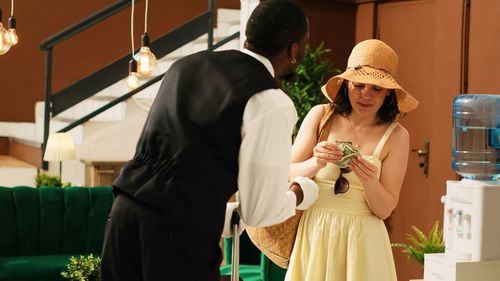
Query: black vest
[{"x": 186, "y": 160}]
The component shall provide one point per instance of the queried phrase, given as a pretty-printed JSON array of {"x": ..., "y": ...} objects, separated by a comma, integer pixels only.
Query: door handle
[{"x": 424, "y": 153}]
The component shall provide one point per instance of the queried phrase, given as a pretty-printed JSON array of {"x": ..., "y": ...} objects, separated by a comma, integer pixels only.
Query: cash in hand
[{"x": 349, "y": 152}]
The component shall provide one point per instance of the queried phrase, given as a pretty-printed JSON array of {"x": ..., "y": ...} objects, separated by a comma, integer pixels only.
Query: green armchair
[{"x": 42, "y": 227}]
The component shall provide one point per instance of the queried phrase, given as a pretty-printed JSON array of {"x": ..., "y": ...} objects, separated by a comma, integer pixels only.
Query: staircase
[{"x": 107, "y": 140}]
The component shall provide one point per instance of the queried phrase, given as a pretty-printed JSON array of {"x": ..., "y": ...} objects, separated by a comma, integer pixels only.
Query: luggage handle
[
  {"x": 235, "y": 263},
  {"x": 235, "y": 259}
]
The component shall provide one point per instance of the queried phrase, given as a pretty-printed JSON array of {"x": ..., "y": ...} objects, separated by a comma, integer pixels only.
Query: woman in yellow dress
[{"x": 342, "y": 237}]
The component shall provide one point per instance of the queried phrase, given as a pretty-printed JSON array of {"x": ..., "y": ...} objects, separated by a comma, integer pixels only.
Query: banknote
[{"x": 349, "y": 152}]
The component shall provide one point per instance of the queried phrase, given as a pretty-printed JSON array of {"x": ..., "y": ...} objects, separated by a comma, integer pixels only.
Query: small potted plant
[
  {"x": 305, "y": 90},
  {"x": 44, "y": 179},
  {"x": 83, "y": 268},
  {"x": 422, "y": 244}
]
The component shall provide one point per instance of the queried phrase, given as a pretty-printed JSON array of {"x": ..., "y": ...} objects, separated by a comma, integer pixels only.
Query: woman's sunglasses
[{"x": 342, "y": 184}]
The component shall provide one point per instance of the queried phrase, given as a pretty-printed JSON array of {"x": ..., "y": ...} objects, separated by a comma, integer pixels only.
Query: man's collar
[{"x": 265, "y": 61}]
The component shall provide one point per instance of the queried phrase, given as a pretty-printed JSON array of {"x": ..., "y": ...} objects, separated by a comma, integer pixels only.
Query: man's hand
[
  {"x": 295, "y": 187},
  {"x": 308, "y": 193}
]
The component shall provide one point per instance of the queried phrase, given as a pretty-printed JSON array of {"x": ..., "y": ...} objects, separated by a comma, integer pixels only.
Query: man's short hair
[{"x": 274, "y": 26}]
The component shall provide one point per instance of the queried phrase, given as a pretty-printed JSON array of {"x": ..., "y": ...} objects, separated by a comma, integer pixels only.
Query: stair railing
[{"x": 117, "y": 70}]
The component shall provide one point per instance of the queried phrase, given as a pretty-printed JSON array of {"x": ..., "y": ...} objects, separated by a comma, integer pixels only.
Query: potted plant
[
  {"x": 422, "y": 244},
  {"x": 83, "y": 268},
  {"x": 44, "y": 179},
  {"x": 305, "y": 90}
]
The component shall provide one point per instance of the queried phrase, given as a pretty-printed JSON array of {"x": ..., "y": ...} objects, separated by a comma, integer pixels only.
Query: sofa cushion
[
  {"x": 53, "y": 220},
  {"x": 33, "y": 268}
]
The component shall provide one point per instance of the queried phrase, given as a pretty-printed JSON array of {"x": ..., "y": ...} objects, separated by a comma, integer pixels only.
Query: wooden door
[
  {"x": 442, "y": 53},
  {"x": 426, "y": 35}
]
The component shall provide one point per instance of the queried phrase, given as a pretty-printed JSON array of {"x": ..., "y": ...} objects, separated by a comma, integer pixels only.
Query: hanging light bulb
[
  {"x": 13, "y": 39},
  {"x": 12, "y": 31},
  {"x": 146, "y": 60},
  {"x": 4, "y": 37},
  {"x": 132, "y": 79}
]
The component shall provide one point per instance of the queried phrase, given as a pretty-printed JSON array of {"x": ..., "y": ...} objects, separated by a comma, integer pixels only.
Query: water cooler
[{"x": 471, "y": 220}]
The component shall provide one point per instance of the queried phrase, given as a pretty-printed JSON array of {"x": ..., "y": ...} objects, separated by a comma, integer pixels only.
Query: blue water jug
[{"x": 476, "y": 136}]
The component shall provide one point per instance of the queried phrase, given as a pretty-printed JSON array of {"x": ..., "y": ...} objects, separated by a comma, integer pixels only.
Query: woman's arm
[
  {"x": 309, "y": 156},
  {"x": 382, "y": 196}
]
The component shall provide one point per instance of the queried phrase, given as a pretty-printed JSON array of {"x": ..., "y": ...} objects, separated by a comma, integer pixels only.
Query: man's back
[{"x": 187, "y": 154}]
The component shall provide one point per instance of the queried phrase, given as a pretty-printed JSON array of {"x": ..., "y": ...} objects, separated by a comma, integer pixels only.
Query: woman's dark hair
[
  {"x": 274, "y": 26},
  {"x": 387, "y": 112}
]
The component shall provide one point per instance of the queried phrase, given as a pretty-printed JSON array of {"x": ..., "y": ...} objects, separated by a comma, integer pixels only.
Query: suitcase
[{"x": 235, "y": 260}]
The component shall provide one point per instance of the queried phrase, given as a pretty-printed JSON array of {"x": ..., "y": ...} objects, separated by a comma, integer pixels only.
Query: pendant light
[
  {"x": 132, "y": 79},
  {"x": 12, "y": 26},
  {"x": 146, "y": 60},
  {"x": 4, "y": 37}
]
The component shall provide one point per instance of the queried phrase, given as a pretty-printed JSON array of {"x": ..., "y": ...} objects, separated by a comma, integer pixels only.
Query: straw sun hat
[{"x": 372, "y": 62}]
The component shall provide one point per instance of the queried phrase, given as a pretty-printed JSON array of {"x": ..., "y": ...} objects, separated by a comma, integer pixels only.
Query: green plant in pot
[
  {"x": 305, "y": 90},
  {"x": 83, "y": 268},
  {"x": 44, "y": 179},
  {"x": 422, "y": 244}
]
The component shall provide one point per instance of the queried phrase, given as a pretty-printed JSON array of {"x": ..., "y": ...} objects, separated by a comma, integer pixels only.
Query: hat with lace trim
[{"x": 372, "y": 62}]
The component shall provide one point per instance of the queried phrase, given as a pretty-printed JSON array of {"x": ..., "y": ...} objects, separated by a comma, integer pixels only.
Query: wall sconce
[
  {"x": 146, "y": 60},
  {"x": 60, "y": 147}
]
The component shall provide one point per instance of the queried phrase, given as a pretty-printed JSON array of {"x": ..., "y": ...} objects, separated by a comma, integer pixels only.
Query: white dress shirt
[{"x": 264, "y": 157}]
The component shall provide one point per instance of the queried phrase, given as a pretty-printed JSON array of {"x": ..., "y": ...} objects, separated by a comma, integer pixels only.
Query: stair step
[
  {"x": 14, "y": 172},
  {"x": 116, "y": 113},
  {"x": 228, "y": 15},
  {"x": 19, "y": 130}
]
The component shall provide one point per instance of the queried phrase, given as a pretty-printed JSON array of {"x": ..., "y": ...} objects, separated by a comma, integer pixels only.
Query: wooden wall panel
[
  {"x": 4, "y": 146},
  {"x": 484, "y": 43},
  {"x": 364, "y": 21},
  {"x": 334, "y": 24},
  {"x": 26, "y": 153}
]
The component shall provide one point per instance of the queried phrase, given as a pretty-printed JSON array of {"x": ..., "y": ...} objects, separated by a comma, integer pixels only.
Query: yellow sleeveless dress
[{"x": 339, "y": 238}]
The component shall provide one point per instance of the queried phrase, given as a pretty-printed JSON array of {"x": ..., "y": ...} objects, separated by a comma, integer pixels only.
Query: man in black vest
[{"x": 219, "y": 124}]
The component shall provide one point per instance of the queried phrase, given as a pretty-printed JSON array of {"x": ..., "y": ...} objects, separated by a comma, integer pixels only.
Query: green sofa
[{"x": 40, "y": 228}]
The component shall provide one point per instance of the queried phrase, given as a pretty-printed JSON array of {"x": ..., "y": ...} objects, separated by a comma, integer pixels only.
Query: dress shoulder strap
[
  {"x": 325, "y": 123},
  {"x": 384, "y": 138}
]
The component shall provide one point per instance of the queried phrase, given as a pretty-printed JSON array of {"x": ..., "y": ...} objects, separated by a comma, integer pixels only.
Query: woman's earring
[{"x": 293, "y": 61}]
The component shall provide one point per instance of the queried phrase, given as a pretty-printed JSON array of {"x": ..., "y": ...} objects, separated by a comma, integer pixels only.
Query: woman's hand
[
  {"x": 364, "y": 170},
  {"x": 326, "y": 152}
]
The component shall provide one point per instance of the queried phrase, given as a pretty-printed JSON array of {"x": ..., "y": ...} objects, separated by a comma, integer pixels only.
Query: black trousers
[{"x": 140, "y": 244}]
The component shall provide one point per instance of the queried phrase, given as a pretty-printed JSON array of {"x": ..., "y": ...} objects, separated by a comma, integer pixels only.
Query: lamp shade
[{"x": 60, "y": 146}]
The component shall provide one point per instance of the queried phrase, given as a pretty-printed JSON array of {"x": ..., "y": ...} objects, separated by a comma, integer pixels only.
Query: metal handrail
[
  {"x": 85, "y": 24},
  {"x": 110, "y": 104},
  {"x": 133, "y": 92},
  {"x": 118, "y": 69},
  {"x": 226, "y": 40}
]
